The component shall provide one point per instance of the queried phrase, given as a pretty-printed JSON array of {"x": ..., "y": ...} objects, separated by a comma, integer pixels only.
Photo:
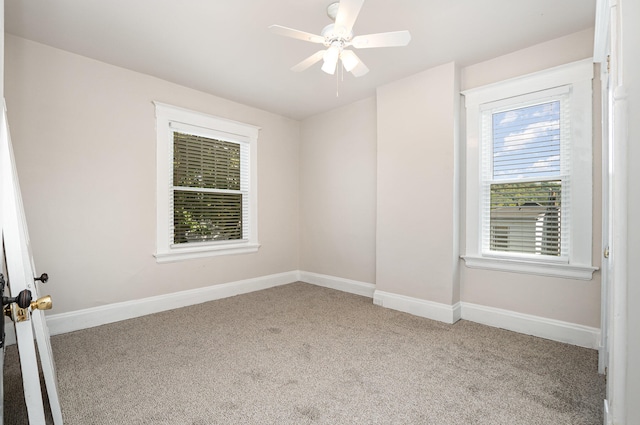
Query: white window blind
[
  {"x": 526, "y": 185},
  {"x": 210, "y": 189}
]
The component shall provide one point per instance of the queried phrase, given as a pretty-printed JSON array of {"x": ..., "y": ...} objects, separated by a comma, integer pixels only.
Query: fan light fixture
[
  {"x": 349, "y": 60},
  {"x": 330, "y": 58}
]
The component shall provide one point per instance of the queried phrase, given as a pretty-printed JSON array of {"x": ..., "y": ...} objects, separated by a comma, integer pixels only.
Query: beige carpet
[{"x": 301, "y": 354}]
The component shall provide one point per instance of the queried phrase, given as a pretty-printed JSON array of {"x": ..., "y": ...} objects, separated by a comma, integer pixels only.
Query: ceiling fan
[{"x": 338, "y": 36}]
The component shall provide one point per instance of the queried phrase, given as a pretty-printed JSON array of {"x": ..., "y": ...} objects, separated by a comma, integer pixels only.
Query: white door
[
  {"x": 20, "y": 276},
  {"x": 614, "y": 324}
]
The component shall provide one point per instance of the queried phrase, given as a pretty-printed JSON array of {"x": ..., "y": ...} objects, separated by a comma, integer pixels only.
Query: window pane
[
  {"x": 204, "y": 216},
  {"x": 199, "y": 216},
  {"x": 205, "y": 163},
  {"x": 525, "y": 217},
  {"x": 526, "y": 142}
]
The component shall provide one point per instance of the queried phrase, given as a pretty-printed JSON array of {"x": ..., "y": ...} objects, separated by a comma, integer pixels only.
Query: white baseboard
[
  {"x": 96, "y": 316},
  {"x": 556, "y": 330},
  {"x": 418, "y": 307},
  {"x": 338, "y": 283}
]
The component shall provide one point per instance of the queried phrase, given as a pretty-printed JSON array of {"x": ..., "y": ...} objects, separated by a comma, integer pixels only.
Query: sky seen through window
[{"x": 526, "y": 142}]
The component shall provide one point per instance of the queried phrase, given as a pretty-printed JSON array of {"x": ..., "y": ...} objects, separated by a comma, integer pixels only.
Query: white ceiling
[{"x": 224, "y": 47}]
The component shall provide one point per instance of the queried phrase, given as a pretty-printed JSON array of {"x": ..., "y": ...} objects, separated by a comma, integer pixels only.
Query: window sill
[
  {"x": 566, "y": 271},
  {"x": 180, "y": 254}
]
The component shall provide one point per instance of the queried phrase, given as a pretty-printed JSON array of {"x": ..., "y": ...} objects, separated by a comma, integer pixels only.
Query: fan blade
[
  {"x": 347, "y": 14},
  {"x": 360, "y": 69},
  {"x": 300, "y": 35},
  {"x": 316, "y": 57},
  {"x": 383, "y": 39}
]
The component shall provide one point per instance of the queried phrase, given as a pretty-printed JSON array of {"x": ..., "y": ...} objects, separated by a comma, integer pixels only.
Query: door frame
[{"x": 613, "y": 353}]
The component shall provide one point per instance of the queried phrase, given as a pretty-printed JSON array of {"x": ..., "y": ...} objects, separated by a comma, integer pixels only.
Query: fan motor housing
[{"x": 331, "y": 35}]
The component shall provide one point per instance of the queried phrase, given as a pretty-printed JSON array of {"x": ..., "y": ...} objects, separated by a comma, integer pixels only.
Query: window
[
  {"x": 526, "y": 165},
  {"x": 206, "y": 185},
  {"x": 529, "y": 165}
]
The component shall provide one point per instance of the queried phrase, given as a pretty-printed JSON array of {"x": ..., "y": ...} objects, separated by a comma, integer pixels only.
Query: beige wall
[
  {"x": 84, "y": 140},
  {"x": 415, "y": 190},
  {"x": 338, "y": 192},
  {"x": 539, "y": 57}
]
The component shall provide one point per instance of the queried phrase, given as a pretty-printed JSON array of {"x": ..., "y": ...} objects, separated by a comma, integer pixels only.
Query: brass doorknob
[{"x": 42, "y": 303}]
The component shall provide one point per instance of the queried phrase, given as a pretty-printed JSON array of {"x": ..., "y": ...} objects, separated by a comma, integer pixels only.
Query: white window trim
[
  {"x": 216, "y": 127},
  {"x": 577, "y": 75}
]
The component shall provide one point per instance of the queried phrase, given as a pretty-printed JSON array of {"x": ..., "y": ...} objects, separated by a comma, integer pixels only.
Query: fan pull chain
[{"x": 339, "y": 77}]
